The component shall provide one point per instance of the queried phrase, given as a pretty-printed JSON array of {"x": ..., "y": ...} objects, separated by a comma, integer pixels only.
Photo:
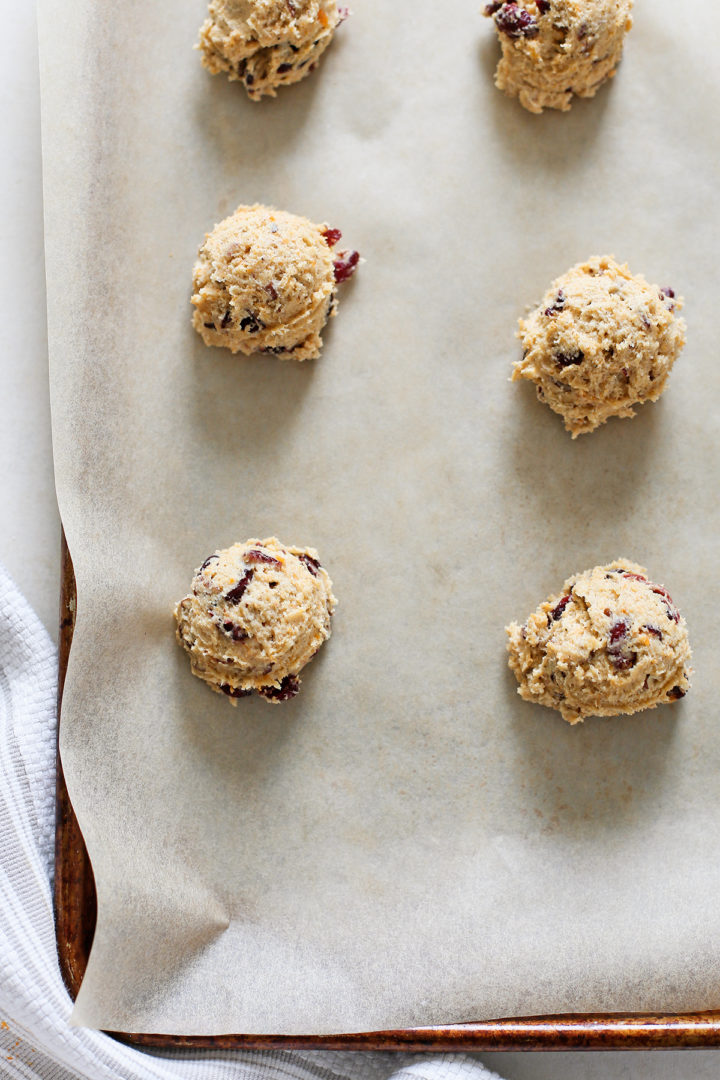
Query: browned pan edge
[{"x": 75, "y": 911}]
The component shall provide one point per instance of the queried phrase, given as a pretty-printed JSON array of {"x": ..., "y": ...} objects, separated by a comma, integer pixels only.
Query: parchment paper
[{"x": 407, "y": 842}]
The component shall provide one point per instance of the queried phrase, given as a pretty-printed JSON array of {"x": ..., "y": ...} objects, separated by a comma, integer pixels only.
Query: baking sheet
[{"x": 406, "y": 842}]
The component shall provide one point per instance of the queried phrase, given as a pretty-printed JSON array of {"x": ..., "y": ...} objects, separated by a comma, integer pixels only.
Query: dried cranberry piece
[
  {"x": 564, "y": 359},
  {"x": 207, "y": 562},
  {"x": 515, "y": 21},
  {"x": 557, "y": 305},
  {"x": 662, "y": 591},
  {"x": 234, "y": 691},
  {"x": 633, "y": 577},
  {"x": 654, "y": 630},
  {"x": 346, "y": 264},
  {"x": 490, "y": 9},
  {"x": 332, "y": 236},
  {"x": 666, "y": 293},
  {"x": 618, "y": 630},
  {"x": 236, "y": 632},
  {"x": 558, "y": 610},
  {"x": 251, "y": 324},
  {"x": 620, "y": 660},
  {"x": 257, "y": 556},
  {"x": 287, "y": 689},
  {"x": 623, "y": 661},
  {"x": 312, "y": 564},
  {"x": 238, "y": 591},
  {"x": 676, "y": 693},
  {"x": 672, "y": 612}
]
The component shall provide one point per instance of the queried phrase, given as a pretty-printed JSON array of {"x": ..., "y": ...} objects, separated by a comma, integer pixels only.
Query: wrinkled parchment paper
[{"x": 406, "y": 842}]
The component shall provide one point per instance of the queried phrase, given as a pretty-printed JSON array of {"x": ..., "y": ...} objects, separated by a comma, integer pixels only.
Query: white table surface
[{"x": 29, "y": 522}]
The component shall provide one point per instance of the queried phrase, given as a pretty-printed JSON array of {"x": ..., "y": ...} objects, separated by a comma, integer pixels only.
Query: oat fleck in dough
[
  {"x": 602, "y": 341},
  {"x": 267, "y": 43},
  {"x": 611, "y": 642},
  {"x": 554, "y": 49},
  {"x": 256, "y": 615},
  {"x": 265, "y": 281}
]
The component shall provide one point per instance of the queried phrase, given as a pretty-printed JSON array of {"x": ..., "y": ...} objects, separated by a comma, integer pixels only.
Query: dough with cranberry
[
  {"x": 265, "y": 281},
  {"x": 610, "y": 642},
  {"x": 256, "y": 614},
  {"x": 601, "y": 341},
  {"x": 554, "y": 49},
  {"x": 267, "y": 43}
]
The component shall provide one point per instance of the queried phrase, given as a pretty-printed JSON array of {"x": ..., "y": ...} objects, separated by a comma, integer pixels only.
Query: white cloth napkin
[{"x": 35, "y": 1039}]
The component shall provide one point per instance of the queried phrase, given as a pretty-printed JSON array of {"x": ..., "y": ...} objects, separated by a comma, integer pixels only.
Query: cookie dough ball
[
  {"x": 267, "y": 43},
  {"x": 265, "y": 282},
  {"x": 552, "y": 49},
  {"x": 611, "y": 642},
  {"x": 602, "y": 341},
  {"x": 256, "y": 614}
]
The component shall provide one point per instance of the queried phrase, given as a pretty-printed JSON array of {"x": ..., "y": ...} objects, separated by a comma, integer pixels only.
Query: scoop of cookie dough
[
  {"x": 602, "y": 341},
  {"x": 611, "y": 642},
  {"x": 265, "y": 282},
  {"x": 553, "y": 49},
  {"x": 267, "y": 43},
  {"x": 256, "y": 614}
]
